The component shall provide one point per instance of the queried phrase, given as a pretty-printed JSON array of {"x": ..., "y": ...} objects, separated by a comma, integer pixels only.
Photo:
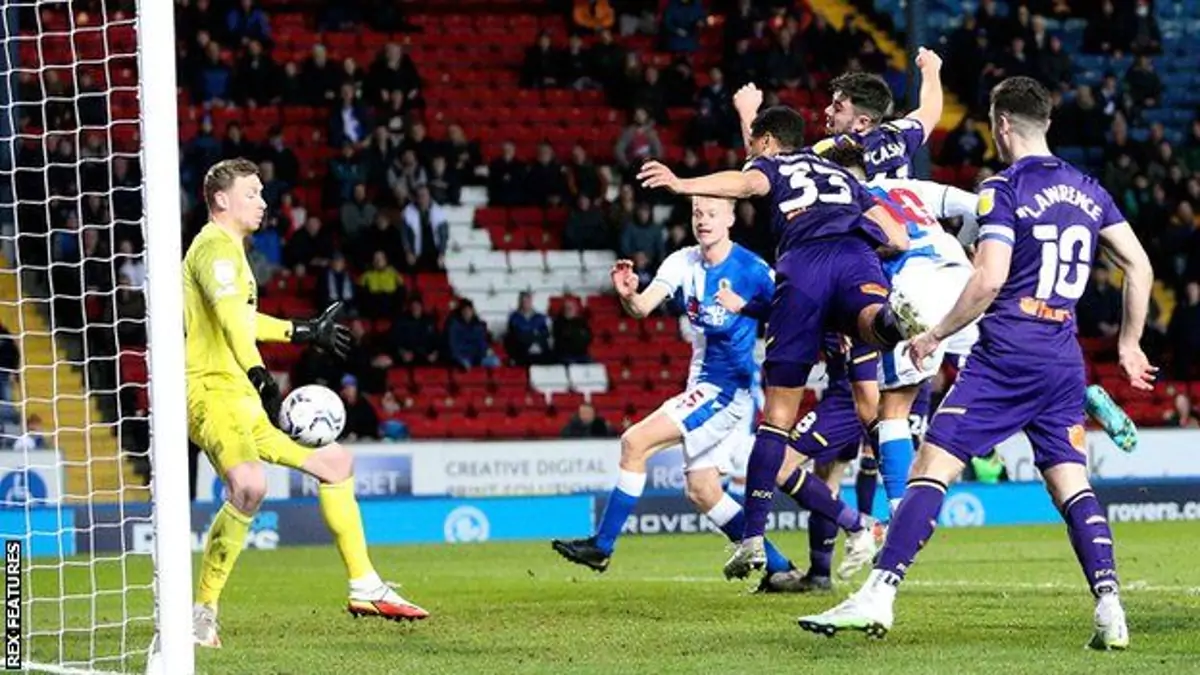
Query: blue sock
[
  {"x": 620, "y": 506},
  {"x": 865, "y": 484},
  {"x": 895, "y": 457},
  {"x": 729, "y": 516}
]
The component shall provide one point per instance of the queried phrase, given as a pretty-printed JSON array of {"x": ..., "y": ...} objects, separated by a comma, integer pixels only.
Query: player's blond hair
[{"x": 220, "y": 177}]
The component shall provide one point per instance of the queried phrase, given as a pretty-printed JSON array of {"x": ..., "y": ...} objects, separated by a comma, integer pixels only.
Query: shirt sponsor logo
[{"x": 987, "y": 200}]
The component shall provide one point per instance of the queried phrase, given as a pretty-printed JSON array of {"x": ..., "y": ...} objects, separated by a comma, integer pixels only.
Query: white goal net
[{"x": 89, "y": 250}]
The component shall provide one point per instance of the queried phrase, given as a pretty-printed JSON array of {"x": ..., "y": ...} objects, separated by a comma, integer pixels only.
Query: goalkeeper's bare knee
[
  {"x": 247, "y": 484},
  {"x": 331, "y": 464}
]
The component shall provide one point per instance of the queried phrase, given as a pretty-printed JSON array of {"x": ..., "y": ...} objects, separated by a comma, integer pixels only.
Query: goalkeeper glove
[
  {"x": 324, "y": 331},
  {"x": 268, "y": 392}
]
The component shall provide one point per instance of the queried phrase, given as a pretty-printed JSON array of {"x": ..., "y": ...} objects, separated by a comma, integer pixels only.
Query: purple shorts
[
  {"x": 831, "y": 431},
  {"x": 992, "y": 401},
  {"x": 822, "y": 285}
]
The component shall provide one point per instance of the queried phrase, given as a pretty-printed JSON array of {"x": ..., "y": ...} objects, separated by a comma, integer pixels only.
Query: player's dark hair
[
  {"x": 868, "y": 93},
  {"x": 1024, "y": 98},
  {"x": 845, "y": 152},
  {"x": 220, "y": 176},
  {"x": 785, "y": 124}
]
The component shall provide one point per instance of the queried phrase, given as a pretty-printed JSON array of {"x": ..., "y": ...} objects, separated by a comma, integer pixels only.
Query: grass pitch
[{"x": 997, "y": 600}]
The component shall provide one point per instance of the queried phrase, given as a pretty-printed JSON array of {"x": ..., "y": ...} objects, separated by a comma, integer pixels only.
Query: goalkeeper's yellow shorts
[{"x": 233, "y": 428}]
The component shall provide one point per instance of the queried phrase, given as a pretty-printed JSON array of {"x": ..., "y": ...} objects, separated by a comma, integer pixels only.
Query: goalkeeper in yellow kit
[{"x": 233, "y": 403}]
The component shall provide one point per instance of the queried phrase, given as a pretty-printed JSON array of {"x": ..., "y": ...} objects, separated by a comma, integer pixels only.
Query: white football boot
[
  {"x": 1109, "y": 620},
  {"x": 748, "y": 555},
  {"x": 869, "y": 610},
  {"x": 204, "y": 626},
  {"x": 860, "y": 550}
]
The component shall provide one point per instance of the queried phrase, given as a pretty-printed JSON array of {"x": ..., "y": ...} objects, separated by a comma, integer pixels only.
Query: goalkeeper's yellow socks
[
  {"x": 340, "y": 510},
  {"x": 226, "y": 539}
]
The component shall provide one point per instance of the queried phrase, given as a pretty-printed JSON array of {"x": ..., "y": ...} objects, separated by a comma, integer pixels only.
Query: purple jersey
[
  {"x": 1051, "y": 214},
  {"x": 814, "y": 199},
  {"x": 889, "y": 148}
]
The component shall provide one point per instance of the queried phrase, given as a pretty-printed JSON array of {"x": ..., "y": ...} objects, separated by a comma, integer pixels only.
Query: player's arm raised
[
  {"x": 747, "y": 100},
  {"x": 1125, "y": 249},
  {"x": 723, "y": 184},
  {"x": 929, "y": 110}
]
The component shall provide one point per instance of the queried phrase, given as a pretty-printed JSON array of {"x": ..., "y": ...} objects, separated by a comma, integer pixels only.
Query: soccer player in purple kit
[
  {"x": 860, "y": 103},
  {"x": 1039, "y": 223},
  {"x": 828, "y": 277}
]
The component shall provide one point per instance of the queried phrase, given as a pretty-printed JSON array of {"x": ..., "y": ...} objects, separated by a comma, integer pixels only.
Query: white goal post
[{"x": 91, "y": 296}]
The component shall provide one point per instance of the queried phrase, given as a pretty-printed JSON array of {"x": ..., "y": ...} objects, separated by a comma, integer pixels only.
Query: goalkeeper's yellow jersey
[{"x": 220, "y": 310}]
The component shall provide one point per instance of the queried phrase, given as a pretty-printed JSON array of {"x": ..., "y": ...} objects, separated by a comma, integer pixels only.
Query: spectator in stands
[
  {"x": 1105, "y": 33},
  {"x": 406, "y": 176},
  {"x": 964, "y": 145},
  {"x": 33, "y": 438},
  {"x": 1079, "y": 122},
  {"x": 572, "y": 335},
  {"x": 586, "y": 229},
  {"x": 273, "y": 186},
  {"x": 358, "y": 213},
  {"x": 506, "y": 178},
  {"x": 463, "y": 156},
  {"x": 1099, "y": 310},
  {"x": 345, "y": 171},
  {"x": 212, "y": 81},
  {"x": 1184, "y": 332},
  {"x": 467, "y": 338},
  {"x": 235, "y": 144},
  {"x": 383, "y": 288},
  {"x": 370, "y": 357},
  {"x": 257, "y": 78},
  {"x": 1183, "y": 415},
  {"x": 681, "y": 24},
  {"x": 415, "y": 336},
  {"x": 1191, "y": 149},
  {"x": 1054, "y": 65},
  {"x": 1119, "y": 174},
  {"x": 350, "y": 121},
  {"x": 201, "y": 152},
  {"x": 131, "y": 314},
  {"x": 308, "y": 251},
  {"x": 576, "y": 67},
  {"x": 527, "y": 340},
  {"x": 292, "y": 88},
  {"x": 377, "y": 156},
  {"x": 644, "y": 235},
  {"x": 678, "y": 236},
  {"x": 607, "y": 59},
  {"x": 292, "y": 215},
  {"x": 743, "y": 65},
  {"x": 582, "y": 177},
  {"x": 337, "y": 285},
  {"x": 679, "y": 83},
  {"x": 638, "y": 16},
  {"x": 651, "y": 94},
  {"x": 445, "y": 186},
  {"x": 543, "y": 64},
  {"x": 383, "y": 236},
  {"x": 592, "y": 16},
  {"x": 546, "y": 180},
  {"x": 287, "y": 167},
  {"x": 10, "y": 362},
  {"x": 247, "y": 23},
  {"x": 750, "y": 231},
  {"x": 1143, "y": 84},
  {"x": 361, "y": 420},
  {"x": 352, "y": 75},
  {"x": 639, "y": 141},
  {"x": 263, "y": 266},
  {"x": 785, "y": 63},
  {"x": 586, "y": 424},
  {"x": 426, "y": 233},
  {"x": 133, "y": 264},
  {"x": 393, "y": 71},
  {"x": 1146, "y": 37},
  {"x": 321, "y": 78}
]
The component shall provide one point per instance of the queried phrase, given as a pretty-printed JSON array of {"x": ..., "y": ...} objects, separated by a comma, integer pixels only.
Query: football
[{"x": 312, "y": 415}]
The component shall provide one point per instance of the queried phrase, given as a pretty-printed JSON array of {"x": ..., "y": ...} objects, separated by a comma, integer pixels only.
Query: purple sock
[
  {"x": 822, "y": 534},
  {"x": 865, "y": 484},
  {"x": 1092, "y": 540},
  {"x": 770, "y": 446},
  {"x": 813, "y": 494},
  {"x": 912, "y": 526}
]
